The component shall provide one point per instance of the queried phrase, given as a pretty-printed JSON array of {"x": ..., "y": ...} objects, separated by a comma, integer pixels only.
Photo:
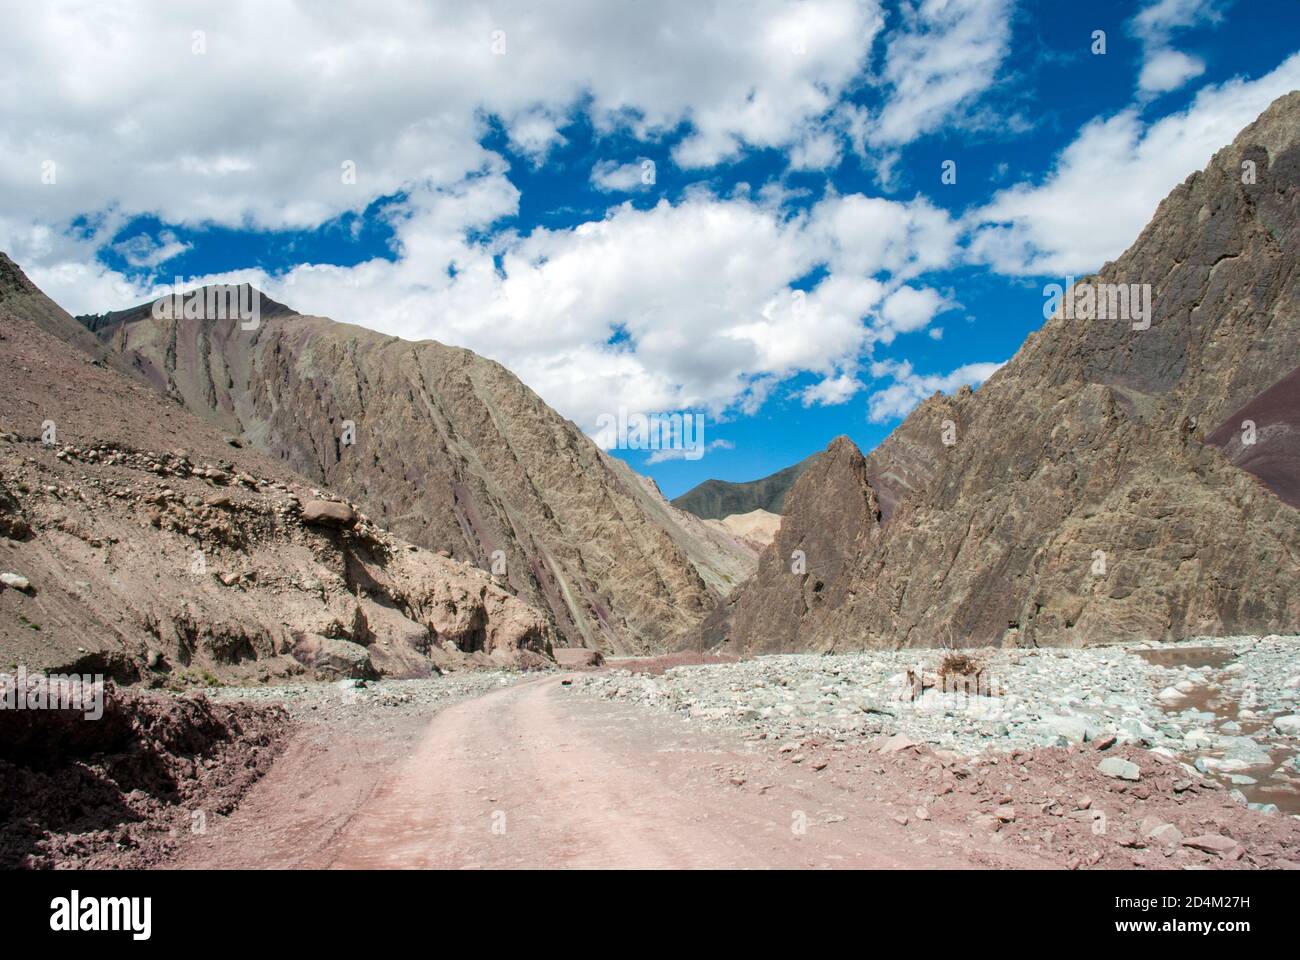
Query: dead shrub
[{"x": 959, "y": 665}]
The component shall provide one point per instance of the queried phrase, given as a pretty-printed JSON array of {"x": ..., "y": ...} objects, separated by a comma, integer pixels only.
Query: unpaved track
[
  {"x": 537, "y": 776},
  {"x": 543, "y": 775}
]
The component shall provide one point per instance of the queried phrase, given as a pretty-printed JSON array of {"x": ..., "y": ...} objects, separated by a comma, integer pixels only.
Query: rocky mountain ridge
[
  {"x": 139, "y": 544},
  {"x": 1105, "y": 484},
  {"x": 719, "y": 499},
  {"x": 451, "y": 451}
]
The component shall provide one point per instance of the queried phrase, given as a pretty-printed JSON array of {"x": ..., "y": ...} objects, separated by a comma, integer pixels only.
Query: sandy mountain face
[
  {"x": 452, "y": 452},
  {"x": 1115, "y": 480},
  {"x": 718, "y": 499},
  {"x": 135, "y": 542},
  {"x": 756, "y": 529}
]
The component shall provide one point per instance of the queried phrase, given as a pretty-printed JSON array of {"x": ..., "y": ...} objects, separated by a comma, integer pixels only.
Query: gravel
[
  {"x": 348, "y": 700},
  {"x": 1208, "y": 701}
]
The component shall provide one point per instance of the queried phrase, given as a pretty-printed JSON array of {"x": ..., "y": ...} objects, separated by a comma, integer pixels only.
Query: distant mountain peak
[{"x": 718, "y": 499}]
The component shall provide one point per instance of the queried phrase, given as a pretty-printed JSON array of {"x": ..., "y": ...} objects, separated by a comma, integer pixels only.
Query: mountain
[
  {"x": 718, "y": 499},
  {"x": 450, "y": 451},
  {"x": 1105, "y": 484},
  {"x": 757, "y": 528},
  {"x": 137, "y": 543}
]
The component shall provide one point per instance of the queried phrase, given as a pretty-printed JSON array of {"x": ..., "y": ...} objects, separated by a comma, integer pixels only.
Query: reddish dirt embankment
[{"x": 122, "y": 789}]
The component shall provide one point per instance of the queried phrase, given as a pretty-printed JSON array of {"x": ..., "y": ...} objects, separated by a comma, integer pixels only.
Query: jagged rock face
[
  {"x": 1097, "y": 488},
  {"x": 719, "y": 499},
  {"x": 157, "y": 552},
  {"x": 450, "y": 451},
  {"x": 832, "y": 517}
]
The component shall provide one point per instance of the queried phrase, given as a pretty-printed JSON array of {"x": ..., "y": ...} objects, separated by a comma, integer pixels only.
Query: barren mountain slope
[
  {"x": 757, "y": 528},
  {"x": 717, "y": 499},
  {"x": 452, "y": 452},
  {"x": 1084, "y": 496},
  {"x": 151, "y": 549}
]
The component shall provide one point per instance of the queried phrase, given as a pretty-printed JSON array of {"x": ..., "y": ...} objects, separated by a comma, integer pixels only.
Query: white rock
[
  {"x": 1288, "y": 726},
  {"x": 1119, "y": 768},
  {"x": 15, "y": 581}
]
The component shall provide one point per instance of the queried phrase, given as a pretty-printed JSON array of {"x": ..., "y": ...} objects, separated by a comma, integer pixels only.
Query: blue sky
[{"x": 498, "y": 203}]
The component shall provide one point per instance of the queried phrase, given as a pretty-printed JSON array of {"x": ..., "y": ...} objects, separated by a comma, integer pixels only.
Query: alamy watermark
[
  {"x": 75, "y": 913},
  {"x": 80, "y": 692},
  {"x": 682, "y": 432},
  {"x": 1099, "y": 301}
]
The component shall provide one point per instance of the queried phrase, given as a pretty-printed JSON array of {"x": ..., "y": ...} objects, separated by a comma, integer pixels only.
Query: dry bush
[{"x": 959, "y": 664}]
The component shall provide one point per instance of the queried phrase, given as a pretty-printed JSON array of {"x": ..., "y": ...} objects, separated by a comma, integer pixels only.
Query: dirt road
[{"x": 539, "y": 775}]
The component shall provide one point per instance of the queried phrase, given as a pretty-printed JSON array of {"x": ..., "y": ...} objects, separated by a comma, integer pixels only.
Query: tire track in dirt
[{"x": 538, "y": 776}]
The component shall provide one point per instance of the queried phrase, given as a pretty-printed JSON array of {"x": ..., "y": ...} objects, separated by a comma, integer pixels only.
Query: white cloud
[
  {"x": 1107, "y": 183},
  {"x": 867, "y": 234},
  {"x": 1166, "y": 70},
  {"x": 909, "y": 388},
  {"x": 831, "y": 391},
  {"x": 946, "y": 54},
  {"x": 615, "y": 177},
  {"x": 1158, "y": 19},
  {"x": 817, "y": 151},
  {"x": 255, "y": 133},
  {"x": 1163, "y": 68},
  {"x": 703, "y": 294},
  {"x": 908, "y": 309},
  {"x": 143, "y": 250}
]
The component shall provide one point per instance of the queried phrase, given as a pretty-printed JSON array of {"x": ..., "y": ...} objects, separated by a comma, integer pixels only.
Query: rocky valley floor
[{"x": 1176, "y": 756}]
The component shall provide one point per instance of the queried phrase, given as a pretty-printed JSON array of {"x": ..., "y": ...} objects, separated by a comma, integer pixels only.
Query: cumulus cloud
[
  {"x": 197, "y": 114},
  {"x": 819, "y": 150},
  {"x": 1164, "y": 68},
  {"x": 831, "y": 391},
  {"x": 909, "y": 388},
  {"x": 1108, "y": 181},
  {"x": 698, "y": 305},
  {"x": 944, "y": 56},
  {"x": 908, "y": 309},
  {"x": 194, "y": 115}
]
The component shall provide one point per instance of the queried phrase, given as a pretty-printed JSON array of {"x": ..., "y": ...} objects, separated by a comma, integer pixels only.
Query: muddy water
[
  {"x": 1195, "y": 657},
  {"x": 1211, "y": 698}
]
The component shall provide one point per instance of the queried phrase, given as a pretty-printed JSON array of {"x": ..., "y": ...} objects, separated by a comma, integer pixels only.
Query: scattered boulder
[
  {"x": 1073, "y": 730},
  {"x": 16, "y": 581},
  {"x": 332, "y": 658},
  {"x": 1288, "y": 726},
  {"x": 328, "y": 513},
  {"x": 1119, "y": 768},
  {"x": 1165, "y": 835},
  {"x": 896, "y": 743},
  {"x": 1225, "y": 847}
]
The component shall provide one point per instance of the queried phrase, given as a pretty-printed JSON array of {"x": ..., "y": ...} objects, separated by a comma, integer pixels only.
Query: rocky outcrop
[
  {"x": 718, "y": 499},
  {"x": 1098, "y": 487},
  {"x": 450, "y": 451},
  {"x": 155, "y": 551}
]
